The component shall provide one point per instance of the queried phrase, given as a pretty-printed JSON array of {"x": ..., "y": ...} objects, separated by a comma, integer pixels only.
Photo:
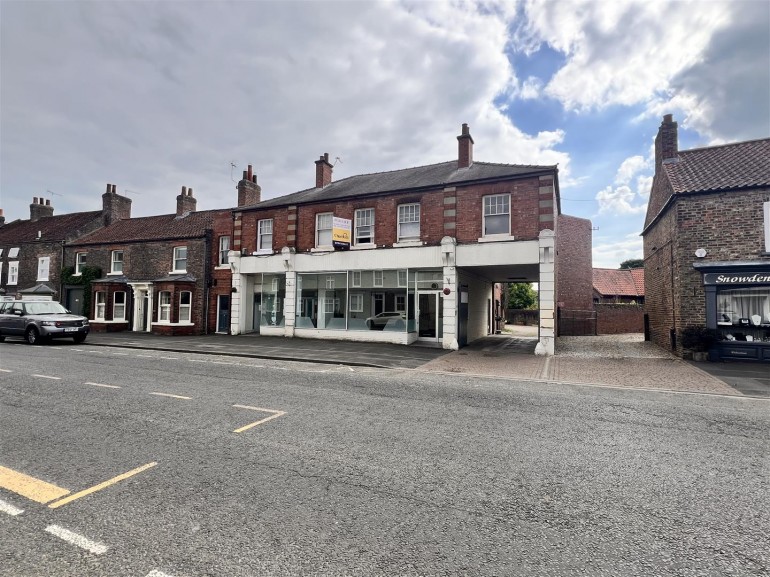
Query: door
[
  {"x": 75, "y": 301},
  {"x": 257, "y": 319},
  {"x": 378, "y": 303},
  {"x": 430, "y": 316},
  {"x": 223, "y": 314}
]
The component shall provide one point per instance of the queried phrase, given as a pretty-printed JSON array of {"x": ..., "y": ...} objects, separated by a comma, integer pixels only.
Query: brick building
[
  {"x": 427, "y": 246},
  {"x": 156, "y": 270},
  {"x": 707, "y": 245},
  {"x": 618, "y": 286},
  {"x": 31, "y": 250}
]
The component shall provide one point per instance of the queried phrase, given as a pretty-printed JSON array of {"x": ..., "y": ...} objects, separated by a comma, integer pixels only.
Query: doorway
[
  {"x": 223, "y": 314},
  {"x": 257, "y": 317},
  {"x": 430, "y": 316},
  {"x": 75, "y": 301}
]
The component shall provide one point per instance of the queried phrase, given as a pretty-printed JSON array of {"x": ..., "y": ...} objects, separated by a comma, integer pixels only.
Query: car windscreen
[{"x": 43, "y": 308}]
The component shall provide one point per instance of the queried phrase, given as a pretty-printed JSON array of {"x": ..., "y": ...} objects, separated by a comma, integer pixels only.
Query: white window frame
[
  {"x": 185, "y": 310},
  {"x": 224, "y": 249},
  {"x": 330, "y": 282},
  {"x": 378, "y": 278},
  {"x": 400, "y": 303},
  {"x": 164, "y": 307},
  {"x": 408, "y": 214},
  {"x": 356, "y": 302},
  {"x": 364, "y": 218},
  {"x": 1, "y": 251},
  {"x": 114, "y": 269},
  {"x": 13, "y": 252},
  {"x": 265, "y": 232},
  {"x": 13, "y": 272},
  {"x": 179, "y": 259},
  {"x": 81, "y": 258},
  {"x": 402, "y": 278},
  {"x": 116, "y": 306},
  {"x": 355, "y": 278},
  {"x": 100, "y": 306},
  {"x": 318, "y": 230},
  {"x": 43, "y": 268},
  {"x": 490, "y": 206}
]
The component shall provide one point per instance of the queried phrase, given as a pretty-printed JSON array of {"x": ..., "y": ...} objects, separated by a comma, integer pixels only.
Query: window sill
[
  {"x": 497, "y": 238},
  {"x": 363, "y": 246},
  {"x": 111, "y": 322},
  {"x": 77, "y": 274},
  {"x": 165, "y": 324},
  {"x": 222, "y": 267},
  {"x": 178, "y": 272},
  {"x": 322, "y": 249},
  {"x": 115, "y": 273},
  {"x": 407, "y": 243},
  {"x": 263, "y": 252}
]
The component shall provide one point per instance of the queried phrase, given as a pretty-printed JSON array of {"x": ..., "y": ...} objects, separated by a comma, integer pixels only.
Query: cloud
[
  {"x": 609, "y": 253},
  {"x": 630, "y": 166},
  {"x": 620, "y": 199}
]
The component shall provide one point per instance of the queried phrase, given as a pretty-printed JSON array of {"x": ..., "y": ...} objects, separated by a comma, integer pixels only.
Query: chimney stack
[
  {"x": 185, "y": 202},
  {"x": 114, "y": 206},
  {"x": 465, "y": 148},
  {"x": 40, "y": 208},
  {"x": 667, "y": 142},
  {"x": 2, "y": 217},
  {"x": 323, "y": 171},
  {"x": 249, "y": 192}
]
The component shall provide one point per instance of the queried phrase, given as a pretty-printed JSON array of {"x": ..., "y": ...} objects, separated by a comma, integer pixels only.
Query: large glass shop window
[
  {"x": 273, "y": 295},
  {"x": 743, "y": 313}
]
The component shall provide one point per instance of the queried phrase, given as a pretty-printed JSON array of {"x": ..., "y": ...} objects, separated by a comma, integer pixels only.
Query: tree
[
  {"x": 521, "y": 295},
  {"x": 632, "y": 263}
]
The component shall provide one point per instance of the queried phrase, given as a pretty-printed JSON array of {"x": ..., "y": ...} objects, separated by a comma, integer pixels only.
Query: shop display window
[{"x": 743, "y": 314}]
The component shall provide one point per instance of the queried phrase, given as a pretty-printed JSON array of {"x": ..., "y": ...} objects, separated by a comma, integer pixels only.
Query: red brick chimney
[
  {"x": 323, "y": 171},
  {"x": 185, "y": 202},
  {"x": 249, "y": 192},
  {"x": 40, "y": 208},
  {"x": 666, "y": 143},
  {"x": 465, "y": 148},
  {"x": 114, "y": 206}
]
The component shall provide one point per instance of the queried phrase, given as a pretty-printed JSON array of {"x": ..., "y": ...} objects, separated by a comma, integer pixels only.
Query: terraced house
[{"x": 403, "y": 256}]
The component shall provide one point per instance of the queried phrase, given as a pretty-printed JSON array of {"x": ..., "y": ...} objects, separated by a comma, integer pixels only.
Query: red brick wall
[
  {"x": 221, "y": 277},
  {"x": 614, "y": 319},
  {"x": 574, "y": 272}
]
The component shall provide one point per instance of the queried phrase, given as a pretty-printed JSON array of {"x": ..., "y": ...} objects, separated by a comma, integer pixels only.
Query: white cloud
[
  {"x": 630, "y": 166},
  {"x": 618, "y": 200},
  {"x": 608, "y": 253}
]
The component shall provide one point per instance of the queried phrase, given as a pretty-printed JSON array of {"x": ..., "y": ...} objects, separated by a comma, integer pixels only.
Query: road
[{"x": 119, "y": 462}]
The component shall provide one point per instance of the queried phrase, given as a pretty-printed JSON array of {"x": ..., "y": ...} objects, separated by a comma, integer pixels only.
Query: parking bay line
[
  {"x": 275, "y": 415},
  {"x": 5, "y": 371},
  {"x": 47, "y": 377},
  {"x": 102, "y": 385},
  {"x": 6, "y": 507},
  {"x": 172, "y": 396},
  {"x": 101, "y": 486},
  {"x": 76, "y": 539}
]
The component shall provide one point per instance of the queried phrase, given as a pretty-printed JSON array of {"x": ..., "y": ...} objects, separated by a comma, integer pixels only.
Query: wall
[
  {"x": 614, "y": 319},
  {"x": 479, "y": 293},
  {"x": 660, "y": 280},
  {"x": 574, "y": 272}
]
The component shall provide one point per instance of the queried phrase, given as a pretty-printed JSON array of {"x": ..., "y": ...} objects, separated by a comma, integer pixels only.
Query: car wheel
[
  {"x": 32, "y": 336},
  {"x": 2, "y": 338},
  {"x": 369, "y": 325},
  {"x": 79, "y": 338}
]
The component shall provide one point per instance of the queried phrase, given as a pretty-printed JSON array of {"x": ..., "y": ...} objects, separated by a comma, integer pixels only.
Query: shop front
[{"x": 738, "y": 308}]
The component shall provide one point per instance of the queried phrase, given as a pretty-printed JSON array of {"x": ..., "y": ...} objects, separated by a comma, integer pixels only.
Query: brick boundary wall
[{"x": 613, "y": 319}]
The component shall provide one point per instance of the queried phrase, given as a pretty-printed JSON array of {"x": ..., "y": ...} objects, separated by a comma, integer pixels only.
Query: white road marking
[
  {"x": 156, "y": 573},
  {"x": 5, "y": 371},
  {"x": 101, "y": 385},
  {"x": 147, "y": 356},
  {"x": 172, "y": 396},
  {"x": 121, "y": 354},
  {"x": 47, "y": 377},
  {"x": 170, "y": 358},
  {"x": 10, "y": 509},
  {"x": 76, "y": 539}
]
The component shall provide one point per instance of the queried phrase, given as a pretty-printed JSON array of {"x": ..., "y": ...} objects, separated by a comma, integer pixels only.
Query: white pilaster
[{"x": 547, "y": 295}]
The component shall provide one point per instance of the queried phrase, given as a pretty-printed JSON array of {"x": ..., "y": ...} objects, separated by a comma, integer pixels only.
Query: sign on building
[{"x": 341, "y": 233}]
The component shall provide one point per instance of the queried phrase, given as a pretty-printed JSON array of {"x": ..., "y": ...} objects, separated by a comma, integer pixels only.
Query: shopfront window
[
  {"x": 743, "y": 314},
  {"x": 273, "y": 296},
  {"x": 322, "y": 301}
]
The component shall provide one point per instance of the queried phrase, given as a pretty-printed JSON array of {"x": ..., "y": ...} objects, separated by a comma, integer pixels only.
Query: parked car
[
  {"x": 38, "y": 321},
  {"x": 379, "y": 321}
]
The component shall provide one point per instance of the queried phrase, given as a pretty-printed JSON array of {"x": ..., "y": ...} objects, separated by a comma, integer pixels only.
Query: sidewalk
[{"x": 613, "y": 360}]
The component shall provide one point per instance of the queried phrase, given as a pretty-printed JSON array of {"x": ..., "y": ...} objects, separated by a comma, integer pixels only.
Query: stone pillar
[
  {"x": 236, "y": 294},
  {"x": 547, "y": 293},
  {"x": 451, "y": 300},
  {"x": 290, "y": 301}
]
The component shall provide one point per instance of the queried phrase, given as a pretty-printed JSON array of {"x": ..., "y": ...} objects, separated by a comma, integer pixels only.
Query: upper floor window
[
  {"x": 185, "y": 305},
  {"x": 402, "y": 278},
  {"x": 409, "y": 222},
  {"x": 80, "y": 262},
  {"x": 180, "y": 259},
  {"x": 377, "y": 278},
  {"x": 265, "y": 235},
  {"x": 497, "y": 214},
  {"x": 117, "y": 261},
  {"x": 224, "y": 248},
  {"x": 43, "y": 266},
  {"x": 355, "y": 278},
  {"x": 13, "y": 272},
  {"x": 119, "y": 306},
  {"x": 13, "y": 252},
  {"x": 323, "y": 229},
  {"x": 364, "y": 226}
]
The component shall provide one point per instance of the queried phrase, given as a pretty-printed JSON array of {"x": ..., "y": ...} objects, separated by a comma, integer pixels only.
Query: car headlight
[{"x": 48, "y": 323}]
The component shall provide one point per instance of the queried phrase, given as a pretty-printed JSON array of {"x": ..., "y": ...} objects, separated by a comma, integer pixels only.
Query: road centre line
[
  {"x": 76, "y": 539},
  {"x": 156, "y": 573},
  {"x": 101, "y": 486},
  {"x": 5, "y": 371},
  {"x": 172, "y": 396},
  {"x": 102, "y": 385},
  {"x": 275, "y": 415},
  {"x": 30, "y": 487},
  {"x": 47, "y": 377},
  {"x": 6, "y": 507}
]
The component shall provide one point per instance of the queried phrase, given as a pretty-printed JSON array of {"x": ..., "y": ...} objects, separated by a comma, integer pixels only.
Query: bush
[{"x": 698, "y": 338}]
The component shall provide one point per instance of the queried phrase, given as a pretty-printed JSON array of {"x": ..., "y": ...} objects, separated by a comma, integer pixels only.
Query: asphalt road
[{"x": 364, "y": 472}]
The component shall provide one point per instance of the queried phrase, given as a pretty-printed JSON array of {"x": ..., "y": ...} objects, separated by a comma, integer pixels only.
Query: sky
[{"x": 153, "y": 96}]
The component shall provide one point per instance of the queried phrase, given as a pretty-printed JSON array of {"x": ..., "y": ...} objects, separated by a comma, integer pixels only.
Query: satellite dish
[{"x": 700, "y": 253}]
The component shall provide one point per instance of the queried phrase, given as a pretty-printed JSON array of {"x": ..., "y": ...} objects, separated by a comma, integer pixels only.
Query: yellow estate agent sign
[{"x": 341, "y": 233}]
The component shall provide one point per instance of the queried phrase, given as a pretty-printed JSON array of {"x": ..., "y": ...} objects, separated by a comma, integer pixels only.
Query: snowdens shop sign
[{"x": 723, "y": 278}]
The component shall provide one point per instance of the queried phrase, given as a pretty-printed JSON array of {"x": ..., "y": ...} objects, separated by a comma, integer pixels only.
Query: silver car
[{"x": 39, "y": 321}]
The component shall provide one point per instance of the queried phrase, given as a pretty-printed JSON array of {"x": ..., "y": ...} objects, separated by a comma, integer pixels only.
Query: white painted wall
[{"x": 479, "y": 291}]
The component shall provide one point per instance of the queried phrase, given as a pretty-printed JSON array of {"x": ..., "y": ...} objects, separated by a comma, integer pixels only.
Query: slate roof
[
  {"x": 727, "y": 167},
  {"x": 52, "y": 228},
  {"x": 148, "y": 228},
  {"x": 420, "y": 177},
  {"x": 615, "y": 282}
]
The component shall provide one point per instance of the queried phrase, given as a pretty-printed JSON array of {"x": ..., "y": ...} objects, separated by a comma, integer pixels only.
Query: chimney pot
[
  {"x": 249, "y": 192},
  {"x": 47, "y": 202},
  {"x": 109, "y": 188},
  {"x": 250, "y": 173},
  {"x": 34, "y": 200},
  {"x": 323, "y": 171},
  {"x": 113, "y": 188}
]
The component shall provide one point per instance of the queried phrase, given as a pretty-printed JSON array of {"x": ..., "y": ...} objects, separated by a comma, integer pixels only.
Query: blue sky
[{"x": 156, "y": 96}]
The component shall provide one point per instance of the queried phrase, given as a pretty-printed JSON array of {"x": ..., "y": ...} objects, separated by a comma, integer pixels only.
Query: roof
[
  {"x": 431, "y": 176},
  {"x": 619, "y": 282},
  {"x": 735, "y": 166},
  {"x": 51, "y": 228},
  {"x": 163, "y": 227}
]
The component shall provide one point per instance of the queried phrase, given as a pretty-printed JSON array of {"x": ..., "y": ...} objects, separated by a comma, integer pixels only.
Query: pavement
[{"x": 624, "y": 361}]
